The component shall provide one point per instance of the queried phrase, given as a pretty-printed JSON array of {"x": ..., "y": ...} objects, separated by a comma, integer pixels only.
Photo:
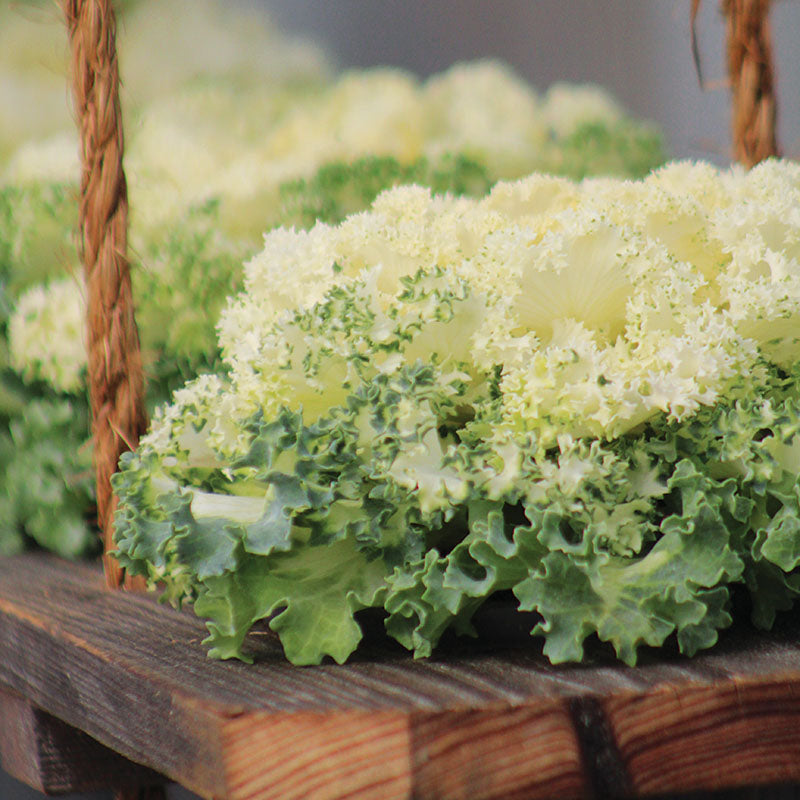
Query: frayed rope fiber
[
  {"x": 751, "y": 76},
  {"x": 116, "y": 381},
  {"x": 752, "y": 80}
]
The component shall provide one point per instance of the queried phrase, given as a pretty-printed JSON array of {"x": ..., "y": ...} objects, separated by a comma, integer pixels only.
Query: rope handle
[
  {"x": 751, "y": 75},
  {"x": 753, "y": 80},
  {"x": 116, "y": 379}
]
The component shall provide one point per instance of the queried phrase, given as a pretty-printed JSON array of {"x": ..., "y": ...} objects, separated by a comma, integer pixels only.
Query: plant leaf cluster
[{"x": 581, "y": 395}]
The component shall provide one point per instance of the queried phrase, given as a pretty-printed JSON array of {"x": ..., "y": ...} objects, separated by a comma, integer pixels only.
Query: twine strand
[
  {"x": 116, "y": 382},
  {"x": 752, "y": 80}
]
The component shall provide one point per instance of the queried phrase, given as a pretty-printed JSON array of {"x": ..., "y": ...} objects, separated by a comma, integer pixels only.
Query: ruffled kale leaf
[{"x": 316, "y": 591}]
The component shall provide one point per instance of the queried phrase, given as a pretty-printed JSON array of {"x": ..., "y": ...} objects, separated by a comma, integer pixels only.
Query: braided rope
[
  {"x": 116, "y": 383},
  {"x": 752, "y": 80}
]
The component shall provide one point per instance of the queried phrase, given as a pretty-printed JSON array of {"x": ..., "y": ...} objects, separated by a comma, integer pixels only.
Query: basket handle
[
  {"x": 116, "y": 379},
  {"x": 751, "y": 75},
  {"x": 752, "y": 78}
]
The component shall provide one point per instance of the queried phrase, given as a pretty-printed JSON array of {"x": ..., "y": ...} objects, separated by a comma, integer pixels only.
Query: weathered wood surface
[
  {"x": 54, "y": 758},
  {"x": 473, "y": 723}
]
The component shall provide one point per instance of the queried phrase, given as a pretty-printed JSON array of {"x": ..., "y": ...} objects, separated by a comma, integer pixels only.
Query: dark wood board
[
  {"x": 55, "y": 758},
  {"x": 479, "y": 721}
]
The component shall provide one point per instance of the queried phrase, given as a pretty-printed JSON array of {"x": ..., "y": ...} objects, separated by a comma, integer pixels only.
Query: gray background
[{"x": 639, "y": 49}]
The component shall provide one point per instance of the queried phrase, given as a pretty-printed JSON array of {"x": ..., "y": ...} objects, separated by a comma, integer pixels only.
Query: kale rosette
[{"x": 584, "y": 393}]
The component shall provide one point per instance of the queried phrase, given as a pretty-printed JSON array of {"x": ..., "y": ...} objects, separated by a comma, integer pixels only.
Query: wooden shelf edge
[
  {"x": 54, "y": 758},
  {"x": 476, "y": 725}
]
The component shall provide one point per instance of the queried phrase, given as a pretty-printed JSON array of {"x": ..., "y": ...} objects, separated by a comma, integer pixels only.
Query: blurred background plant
[{"x": 232, "y": 128}]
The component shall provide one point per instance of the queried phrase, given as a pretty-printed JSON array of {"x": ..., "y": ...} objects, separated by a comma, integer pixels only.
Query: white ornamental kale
[
  {"x": 164, "y": 46},
  {"x": 182, "y": 151},
  {"x": 582, "y": 393},
  {"x": 46, "y": 335}
]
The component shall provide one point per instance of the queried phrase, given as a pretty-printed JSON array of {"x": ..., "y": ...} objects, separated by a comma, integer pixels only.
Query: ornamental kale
[{"x": 584, "y": 395}]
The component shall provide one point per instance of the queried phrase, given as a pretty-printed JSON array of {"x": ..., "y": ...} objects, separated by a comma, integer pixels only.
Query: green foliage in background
[{"x": 339, "y": 189}]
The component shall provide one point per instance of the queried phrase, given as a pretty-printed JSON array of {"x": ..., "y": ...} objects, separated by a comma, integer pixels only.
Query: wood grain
[
  {"x": 509, "y": 752},
  {"x": 54, "y": 758},
  {"x": 483, "y": 721},
  {"x": 744, "y": 726}
]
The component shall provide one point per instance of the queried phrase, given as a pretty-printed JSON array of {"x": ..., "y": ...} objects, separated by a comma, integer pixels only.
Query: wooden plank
[
  {"x": 758, "y": 717},
  {"x": 486, "y": 720},
  {"x": 54, "y": 758}
]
